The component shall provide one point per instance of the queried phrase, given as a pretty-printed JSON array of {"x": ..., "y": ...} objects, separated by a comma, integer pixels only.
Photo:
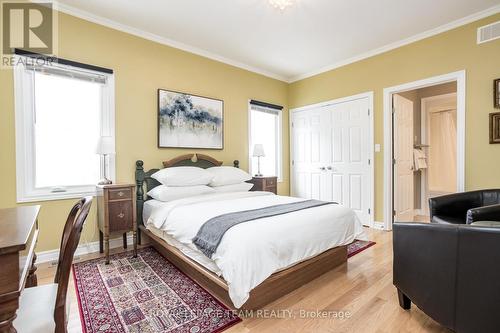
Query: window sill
[{"x": 55, "y": 196}]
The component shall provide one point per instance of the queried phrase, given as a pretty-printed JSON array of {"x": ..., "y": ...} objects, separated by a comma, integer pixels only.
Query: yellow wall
[
  {"x": 444, "y": 53},
  {"x": 141, "y": 67}
]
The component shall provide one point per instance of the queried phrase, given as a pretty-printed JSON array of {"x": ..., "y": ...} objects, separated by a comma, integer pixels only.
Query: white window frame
[
  {"x": 279, "y": 142},
  {"x": 25, "y": 140}
]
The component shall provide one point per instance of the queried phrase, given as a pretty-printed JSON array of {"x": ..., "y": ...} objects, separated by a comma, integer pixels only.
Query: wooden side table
[
  {"x": 116, "y": 214},
  {"x": 268, "y": 184}
]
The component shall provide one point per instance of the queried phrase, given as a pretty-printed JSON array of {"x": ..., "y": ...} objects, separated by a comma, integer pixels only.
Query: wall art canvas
[{"x": 189, "y": 121}]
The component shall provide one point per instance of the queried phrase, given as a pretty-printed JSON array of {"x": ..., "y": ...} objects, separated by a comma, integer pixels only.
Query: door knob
[
  {"x": 329, "y": 167},
  {"x": 322, "y": 168}
]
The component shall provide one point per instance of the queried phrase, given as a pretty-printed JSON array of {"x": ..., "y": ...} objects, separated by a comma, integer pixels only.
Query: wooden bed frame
[{"x": 277, "y": 285}]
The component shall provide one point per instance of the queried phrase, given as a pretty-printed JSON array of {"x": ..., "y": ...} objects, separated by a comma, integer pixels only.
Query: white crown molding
[
  {"x": 82, "y": 249},
  {"x": 192, "y": 49},
  {"x": 426, "y": 34},
  {"x": 161, "y": 40}
]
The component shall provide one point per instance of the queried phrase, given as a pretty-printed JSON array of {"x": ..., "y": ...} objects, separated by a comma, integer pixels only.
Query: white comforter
[{"x": 250, "y": 252}]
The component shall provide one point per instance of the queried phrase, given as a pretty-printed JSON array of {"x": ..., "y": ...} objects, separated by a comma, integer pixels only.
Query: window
[
  {"x": 61, "y": 112},
  {"x": 265, "y": 129}
]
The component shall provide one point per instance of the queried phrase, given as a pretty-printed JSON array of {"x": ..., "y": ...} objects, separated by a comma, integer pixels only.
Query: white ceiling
[{"x": 310, "y": 37}]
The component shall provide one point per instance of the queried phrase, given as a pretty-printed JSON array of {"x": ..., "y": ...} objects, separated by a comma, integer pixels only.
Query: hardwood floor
[{"x": 362, "y": 289}]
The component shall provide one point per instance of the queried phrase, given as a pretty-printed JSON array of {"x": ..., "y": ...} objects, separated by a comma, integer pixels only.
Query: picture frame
[
  {"x": 495, "y": 128},
  {"x": 189, "y": 121},
  {"x": 496, "y": 93}
]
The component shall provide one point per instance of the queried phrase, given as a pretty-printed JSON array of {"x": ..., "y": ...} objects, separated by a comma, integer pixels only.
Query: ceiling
[{"x": 306, "y": 39}]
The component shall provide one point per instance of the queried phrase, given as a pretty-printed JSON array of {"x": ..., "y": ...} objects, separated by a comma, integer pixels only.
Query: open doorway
[
  {"x": 425, "y": 149},
  {"x": 424, "y": 140}
]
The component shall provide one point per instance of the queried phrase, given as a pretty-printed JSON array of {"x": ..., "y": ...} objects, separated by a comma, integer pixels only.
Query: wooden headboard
[{"x": 141, "y": 176}]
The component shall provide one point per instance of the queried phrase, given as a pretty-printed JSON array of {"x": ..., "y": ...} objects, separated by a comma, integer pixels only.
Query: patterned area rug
[
  {"x": 145, "y": 294},
  {"x": 358, "y": 246}
]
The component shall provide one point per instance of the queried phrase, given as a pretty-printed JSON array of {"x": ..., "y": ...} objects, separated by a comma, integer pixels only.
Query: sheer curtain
[{"x": 443, "y": 151}]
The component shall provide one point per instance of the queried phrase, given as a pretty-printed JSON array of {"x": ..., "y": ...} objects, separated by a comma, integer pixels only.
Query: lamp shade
[
  {"x": 258, "y": 150},
  {"x": 105, "y": 145}
]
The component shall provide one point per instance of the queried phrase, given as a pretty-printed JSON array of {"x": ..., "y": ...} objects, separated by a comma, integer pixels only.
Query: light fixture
[
  {"x": 105, "y": 147},
  {"x": 281, "y": 4},
  {"x": 258, "y": 151}
]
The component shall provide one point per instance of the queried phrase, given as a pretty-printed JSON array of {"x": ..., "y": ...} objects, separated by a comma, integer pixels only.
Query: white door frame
[
  {"x": 459, "y": 77},
  {"x": 371, "y": 174}
]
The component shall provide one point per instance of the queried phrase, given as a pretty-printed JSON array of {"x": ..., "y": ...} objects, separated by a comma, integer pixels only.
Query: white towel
[{"x": 420, "y": 160}]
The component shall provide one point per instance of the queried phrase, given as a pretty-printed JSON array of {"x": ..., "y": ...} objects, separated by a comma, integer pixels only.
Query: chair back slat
[{"x": 69, "y": 242}]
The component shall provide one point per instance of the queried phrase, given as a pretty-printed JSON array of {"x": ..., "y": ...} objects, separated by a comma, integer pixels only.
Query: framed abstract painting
[{"x": 189, "y": 121}]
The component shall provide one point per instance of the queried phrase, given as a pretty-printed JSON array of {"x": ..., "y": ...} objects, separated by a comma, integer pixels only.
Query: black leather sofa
[
  {"x": 466, "y": 207},
  {"x": 451, "y": 272}
]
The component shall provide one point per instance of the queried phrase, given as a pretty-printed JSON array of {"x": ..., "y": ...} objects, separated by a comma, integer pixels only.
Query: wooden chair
[{"x": 43, "y": 308}]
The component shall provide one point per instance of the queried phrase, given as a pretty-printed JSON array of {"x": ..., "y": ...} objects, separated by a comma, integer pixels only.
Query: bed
[{"x": 256, "y": 262}]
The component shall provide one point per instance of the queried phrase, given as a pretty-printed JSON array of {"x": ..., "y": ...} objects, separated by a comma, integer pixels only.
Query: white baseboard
[{"x": 93, "y": 247}]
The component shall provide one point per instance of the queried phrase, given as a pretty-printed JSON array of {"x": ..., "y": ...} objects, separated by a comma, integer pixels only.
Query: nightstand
[
  {"x": 268, "y": 184},
  {"x": 116, "y": 214}
]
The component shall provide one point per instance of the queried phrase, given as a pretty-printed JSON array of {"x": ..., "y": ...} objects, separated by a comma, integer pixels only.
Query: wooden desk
[{"x": 18, "y": 237}]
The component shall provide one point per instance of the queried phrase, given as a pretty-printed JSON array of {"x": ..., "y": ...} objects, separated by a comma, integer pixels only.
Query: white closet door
[
  {"x": 350, "y": 166},
  {"x": 330, "y": 155},
  {"x": 311, "y": 151},
  {"x": 403, "y": 154}
]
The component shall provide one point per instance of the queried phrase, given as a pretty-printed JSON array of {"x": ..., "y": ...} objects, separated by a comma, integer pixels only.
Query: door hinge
[
  {"x": 368, "y": 111},
  {"x": 393, "y": 110},
  {"x": 393, "y": 213},
  {"x": 394, "y": 161},
  {"x": 369, "y": 161},
  {"x": 369, "y": 211},
  {"x": 292, "y": 124},
  {"x": 293, "y": 162}
]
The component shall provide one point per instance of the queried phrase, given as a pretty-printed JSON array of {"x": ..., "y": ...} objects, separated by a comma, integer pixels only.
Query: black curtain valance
[
  {"x": 63, "y": 61},
  {"x": 266, "y": 105}
]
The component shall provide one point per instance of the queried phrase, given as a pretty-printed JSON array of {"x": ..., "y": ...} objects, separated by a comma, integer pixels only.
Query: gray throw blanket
[{"x": 211, "y": 232}]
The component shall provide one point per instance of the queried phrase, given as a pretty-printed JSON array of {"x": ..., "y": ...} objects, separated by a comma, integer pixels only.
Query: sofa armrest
[
  {"x": 486, "y": 213},
  {"x": 425, "y": 256},
  {"x": 478, "y": 279},
  {"x": 454, "y": 205}
]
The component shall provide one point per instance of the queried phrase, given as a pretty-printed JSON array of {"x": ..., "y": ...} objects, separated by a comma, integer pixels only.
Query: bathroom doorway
[{"x": 424, "y": 149}]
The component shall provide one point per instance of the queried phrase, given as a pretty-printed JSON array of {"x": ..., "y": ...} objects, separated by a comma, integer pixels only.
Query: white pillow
[
  {"x": 226, "y": 175},
  {"x": 241, "y": 187},
  {"x": 183, "y": 176},
  {"x": 169, "y": 193}
]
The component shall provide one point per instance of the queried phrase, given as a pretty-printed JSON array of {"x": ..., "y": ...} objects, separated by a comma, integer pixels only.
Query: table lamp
[
  {"x": 258, "y": 151},
  {"x": 105, "y": 146}
]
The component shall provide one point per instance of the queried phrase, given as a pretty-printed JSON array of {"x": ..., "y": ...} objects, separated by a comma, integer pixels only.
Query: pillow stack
[
  {"x": 229, "y": 179},
  {"x": 183, "y": 182},
  {"x": 180, "y": 182}
]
